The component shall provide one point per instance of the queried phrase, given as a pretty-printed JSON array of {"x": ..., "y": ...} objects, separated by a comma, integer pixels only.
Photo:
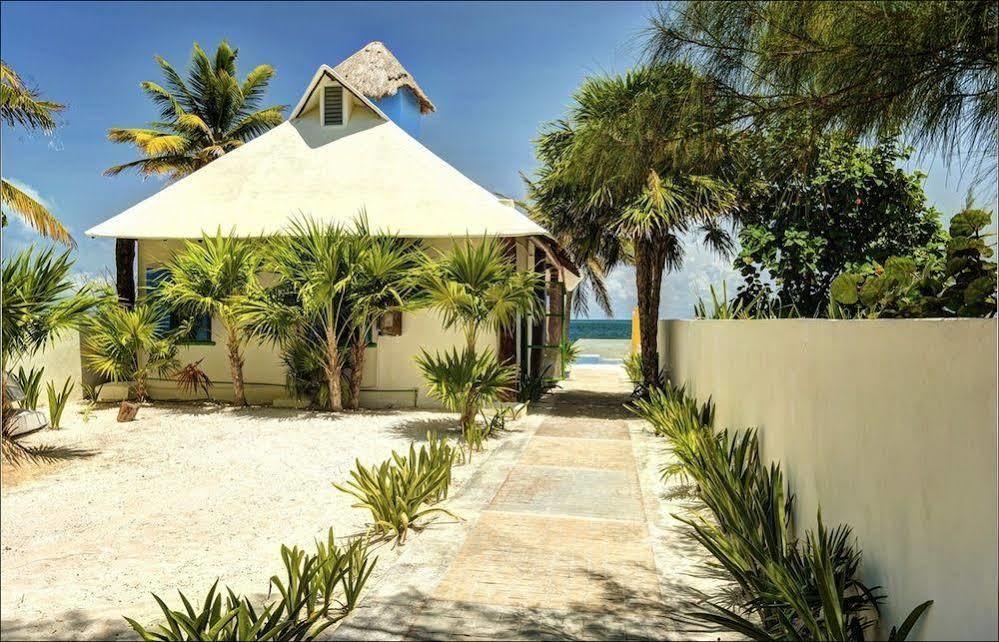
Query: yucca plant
[
  {"x": 215, "y": 276},
  {"x": 399, "y": 492},
  {"x": 343, "y": 571},
  {"x": 532, "y": 387},
  {"x": 465, "y": 381},
  {"x": 57, "y": 401},
  {"x": 191, "y": 379},
  {"x": 127, "y": 345},
  {"x": 31, "y": 386}
]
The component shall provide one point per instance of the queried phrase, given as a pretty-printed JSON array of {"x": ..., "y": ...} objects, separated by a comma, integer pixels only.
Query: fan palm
[
  {"x": 215, "y": 277},
  {"x": 465, "y": 381},
  {"x": 382, "y": 281},
  {"x": 202, "y": 118},
  {"x": 124, "y": 344},
  {"x": 618, "y": 184},
  {"x": 313, "y": 262},
  {"x": 21, "y": 106}
]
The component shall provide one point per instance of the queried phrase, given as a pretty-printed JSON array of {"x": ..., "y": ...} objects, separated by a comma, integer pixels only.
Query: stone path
[{"x": 564, "y": 549}]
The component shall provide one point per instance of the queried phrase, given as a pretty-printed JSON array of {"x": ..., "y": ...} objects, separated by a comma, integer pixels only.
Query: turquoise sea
[{"x": 600, "y": 329}]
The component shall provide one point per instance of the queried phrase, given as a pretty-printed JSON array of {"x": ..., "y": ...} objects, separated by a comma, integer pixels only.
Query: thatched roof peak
[{"x": 376, "y": 73}]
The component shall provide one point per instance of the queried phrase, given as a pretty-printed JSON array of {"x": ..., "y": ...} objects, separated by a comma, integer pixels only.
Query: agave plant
[
  {"x": 465, "y": 381},
  {"x": 127, "y": 345},
  {"x": 399, "y": 492}
]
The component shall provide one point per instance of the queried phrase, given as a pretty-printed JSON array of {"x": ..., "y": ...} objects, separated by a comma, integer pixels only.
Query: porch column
[{"x": 124, "y": 259}]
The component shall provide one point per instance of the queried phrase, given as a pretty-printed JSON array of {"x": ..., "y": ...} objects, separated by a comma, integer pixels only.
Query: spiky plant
[
  {"x": 192, "y": 379},
  {"x": 467, "y": 380},
  {"x": 313, "y": 262},
  {"x": 216, "y": 276},
  {"x": 57, "y": 401},
  {"x": 201, "y": 118},
  {"x": 127, "y": 345},
  {"x": 21, "y": 106}
]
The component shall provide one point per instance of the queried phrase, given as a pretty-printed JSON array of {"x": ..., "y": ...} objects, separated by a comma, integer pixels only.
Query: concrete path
[{"x": 563, "y": 543}]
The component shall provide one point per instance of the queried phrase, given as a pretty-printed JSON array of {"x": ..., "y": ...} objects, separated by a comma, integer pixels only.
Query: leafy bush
[
  {"x": 57, "y": 401},
  {"x": 464, "y": 382},
  {"x": 757, "y": 307},
  {"x": 633, "y": 367},
  {"x": 531, "y": 388},
  {"x": 31, "y": 385},
  {"x": 796, "y": 589},
  {"x": 569, "y": 352},
  {"x": 306, "y": 608},
  {"x": 959, "y": 283},
  {"x": 398, "y": 492}
]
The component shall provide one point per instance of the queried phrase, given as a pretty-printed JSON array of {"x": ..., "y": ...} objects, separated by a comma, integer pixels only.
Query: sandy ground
[
  {"x": 182, "y": 496},
  {"x": 606, "y": 348}
]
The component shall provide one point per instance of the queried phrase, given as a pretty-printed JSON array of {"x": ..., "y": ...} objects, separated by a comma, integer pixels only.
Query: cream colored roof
[{"x": 302, "y": 168}]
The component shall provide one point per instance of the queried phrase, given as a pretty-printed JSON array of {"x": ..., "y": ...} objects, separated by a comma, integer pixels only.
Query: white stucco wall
[
  {"x": 60, "y": 360},
  {"x": 890, "y": 426}
]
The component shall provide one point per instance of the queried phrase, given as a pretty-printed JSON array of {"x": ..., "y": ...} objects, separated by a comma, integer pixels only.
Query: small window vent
[{"x": 332, "y": 106}]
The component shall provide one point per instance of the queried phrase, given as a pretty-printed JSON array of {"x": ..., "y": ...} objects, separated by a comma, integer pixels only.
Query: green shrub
[
  {"x": 795, "y": 589},
  {"x": 307, "y": 606},
  {"x": 399, "y": 491},
  {"x": 531, "y": 388},
  {"x": 31, "y": 385},
  {"x": 633, "y": 367},
  {"x": 466, "y": 381},
  {"x": 57, "y": 401},
  {"x": 959, "y": 283},
  {"x": 569, "y": 352}
]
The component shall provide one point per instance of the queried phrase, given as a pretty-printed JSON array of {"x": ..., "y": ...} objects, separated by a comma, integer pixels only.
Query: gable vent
[{"x": 332, "y": 106}]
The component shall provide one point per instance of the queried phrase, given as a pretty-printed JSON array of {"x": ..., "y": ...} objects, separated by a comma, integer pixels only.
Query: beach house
[{"x": 351, "y": 144}]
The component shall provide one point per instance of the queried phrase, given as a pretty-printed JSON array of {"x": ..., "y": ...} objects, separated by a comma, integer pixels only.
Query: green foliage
[
  {"x": 569, "y": 352},
  {"x": 465, "y": 381},
  {"x": 805, "y": 221},
  {"x": 722, "y": 307},
  {"x": 640, "y": 163},
  {"x": 39, "y": 301},
  {"x": 315, "y": 592},
  {"x": 532, "y": 387},
  {"x": 791, "y": 589},
  {"x": 476, "y": 286},
  {"x": 961, "y": 283},
  {"x": 633, "y": 367},
  {"x": 31, "y": 385},
  {"x": 127, "y": 345},
  {"x": 399, "y": 491},
  {"x": 216, "y": 276},
  {"x": 201, "y": 118},
  {"x": 57, "y": 401},
  {"x": 869, "y": 68}
]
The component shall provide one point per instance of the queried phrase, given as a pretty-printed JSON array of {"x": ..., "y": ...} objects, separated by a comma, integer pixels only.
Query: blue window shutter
[
  {"x": 155, "y": 277},
  {"x": 203, "y": 328}
]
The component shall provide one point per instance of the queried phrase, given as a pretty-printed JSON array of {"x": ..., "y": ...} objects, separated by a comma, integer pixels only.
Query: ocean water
[{"x": 600, "y": 329}]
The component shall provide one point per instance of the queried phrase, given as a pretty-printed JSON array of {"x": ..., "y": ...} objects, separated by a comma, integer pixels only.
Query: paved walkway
[{"x": 562, "y": 550}]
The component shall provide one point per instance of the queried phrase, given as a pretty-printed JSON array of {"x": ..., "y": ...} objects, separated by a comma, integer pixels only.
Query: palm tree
[
  {"x": 215, "y": 277},
  {"x": 126, "y": 344},
  {"x": 201, "y": 119},
  {"x": 473, "y": 286},
  {"x": 618, "y": 182},
  {"x": 382, "y": 281},
  {"x": 21, "y": 106},
  {"x": 313, "y": 264}
]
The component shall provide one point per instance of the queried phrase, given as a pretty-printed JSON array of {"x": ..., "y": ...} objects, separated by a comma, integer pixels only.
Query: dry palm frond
[{"x": 34, "y": 213}]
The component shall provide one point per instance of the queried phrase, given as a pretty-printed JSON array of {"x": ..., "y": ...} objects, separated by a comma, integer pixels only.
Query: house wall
[
  {"x": 390, "y": 377},
  {"x": 890, "y": 425},
  {"x": 61, "y": 360}
]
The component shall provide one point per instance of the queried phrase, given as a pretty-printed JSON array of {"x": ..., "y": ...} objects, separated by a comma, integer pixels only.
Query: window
[
  {"x": 332, "y": 106},
  {"x": 201, "y": 331}
]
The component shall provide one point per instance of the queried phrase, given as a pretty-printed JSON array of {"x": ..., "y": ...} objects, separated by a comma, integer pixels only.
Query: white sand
[{"x": 182, "y": 496}]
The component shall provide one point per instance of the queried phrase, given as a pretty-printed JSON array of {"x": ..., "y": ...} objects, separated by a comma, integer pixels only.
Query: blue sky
[{"x": 495, "y": 72}]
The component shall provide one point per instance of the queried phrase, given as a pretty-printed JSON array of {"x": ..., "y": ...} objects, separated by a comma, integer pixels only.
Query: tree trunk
[
  {"x": 124, "y": 258},
  {"x": 357, "y": 370},
  {"x": 648, "y": 278},
  {"x": 333, "y": 370},
  {"x": 467, "y": 419},
  {"x": 236, "y": 369}
]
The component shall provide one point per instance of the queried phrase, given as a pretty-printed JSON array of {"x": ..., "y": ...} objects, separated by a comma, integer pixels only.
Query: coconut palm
[
  {"x": 215, "y": 277},
  {"x": 382, "y": 281},
  {"x": 313, "y": 263},
  {"x": 619, "y": 184},
  {"x": 124, "y": 344},
  {"x": 21, "y": 106},
  {"x": 202, "y": 118},
  {"x": 473, "y": 286}
]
